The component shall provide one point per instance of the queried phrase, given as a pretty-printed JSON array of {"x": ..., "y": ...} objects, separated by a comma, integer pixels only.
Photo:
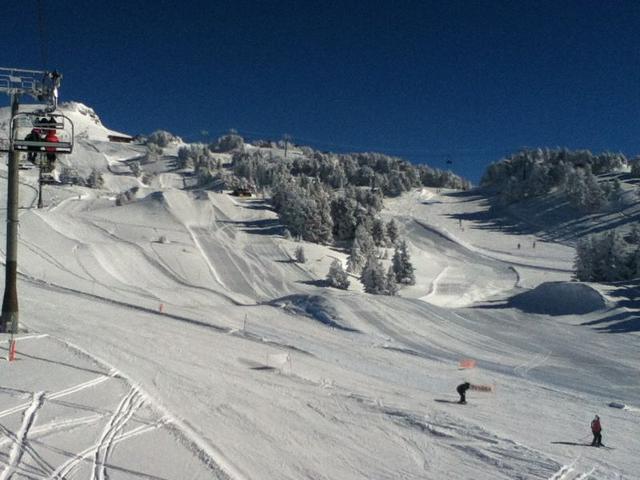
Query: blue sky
[{"x": 465, "y": 80}]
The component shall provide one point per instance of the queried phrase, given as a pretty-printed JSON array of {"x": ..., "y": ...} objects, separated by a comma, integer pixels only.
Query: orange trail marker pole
[{"x": 12, "y": 350}]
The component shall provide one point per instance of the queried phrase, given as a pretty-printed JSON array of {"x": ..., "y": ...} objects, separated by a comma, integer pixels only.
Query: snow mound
[
  {"x": 314, "y": 307},
  {"x": 560, "y": 298}
]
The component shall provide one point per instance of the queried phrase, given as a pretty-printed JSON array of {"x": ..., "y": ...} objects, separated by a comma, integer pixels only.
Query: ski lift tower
[{"x": 43, "y": 86}]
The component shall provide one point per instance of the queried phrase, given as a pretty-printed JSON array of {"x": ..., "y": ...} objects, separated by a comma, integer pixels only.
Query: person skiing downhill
[
  {"x": 596, "y": 429},
  {"x": 462, "y": 390}
]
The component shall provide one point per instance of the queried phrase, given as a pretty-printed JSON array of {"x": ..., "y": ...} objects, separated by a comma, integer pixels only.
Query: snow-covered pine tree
[
  {"x": 343, "y": 214},
  {"x": 604, "y": 258},
  {"x": 402, "y": 265},
  {"x": 373, "y": 277},
  {"x": 337, "y": 277},
  {"x": 378, "y": 233},
  {"x": 584, "y": 261},
  {"x": 319, "y": 222},
  {"x": 364, "y": 238},
  {"x": 392, "y": 232},
  {"x": 392, "y": 286},
  {"x": 356, "y": 259}
]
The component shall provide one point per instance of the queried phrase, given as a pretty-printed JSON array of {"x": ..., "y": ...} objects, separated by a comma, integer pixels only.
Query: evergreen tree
[
  {"x": 392, "y": 286},
  {"x": 337, "y": 277},
  {"x": 373, "y": 277},
  {"x": 365, "y": 240},
  {"x": 402, "y": 266},
  {"x": 320, "y": 224},
  {"x": 378, "y": 233},
  {"x": 584, "y": 261},
  {"x": 392, "y": 232},
  {"x": 343, "y": 211},
  {"x": 604, "y": 258},
  {"x": 356, "y": 258}
]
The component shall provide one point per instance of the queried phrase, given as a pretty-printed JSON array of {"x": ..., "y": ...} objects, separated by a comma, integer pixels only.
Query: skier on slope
[
  {"x": 596, "y": 429},
  {"x": 462, "y": 390}
]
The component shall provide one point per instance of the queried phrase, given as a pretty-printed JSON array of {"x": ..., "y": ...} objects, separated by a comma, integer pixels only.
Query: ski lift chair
[{"x": 24, "y": 123}]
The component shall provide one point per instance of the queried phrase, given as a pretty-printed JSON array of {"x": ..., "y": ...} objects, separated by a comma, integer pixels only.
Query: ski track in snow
[
  {"x": 58, "y": 394},
  {"x": 477, "y": 443},
  {"x": 569, "y": 472},
  {"x": 215, "y": 461},
  {"x": 20, "y": 438},
  {"x": 112, "y": 434},
  {"x": 65, "y": 470},
  {"x": 125, "y": 410}
]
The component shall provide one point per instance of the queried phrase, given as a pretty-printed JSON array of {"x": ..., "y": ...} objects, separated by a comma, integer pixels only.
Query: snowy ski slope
[{"x": 174, "y": 338}]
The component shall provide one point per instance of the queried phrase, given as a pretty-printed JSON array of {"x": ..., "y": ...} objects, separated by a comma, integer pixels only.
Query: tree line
[{"x": 538, "y": 172}]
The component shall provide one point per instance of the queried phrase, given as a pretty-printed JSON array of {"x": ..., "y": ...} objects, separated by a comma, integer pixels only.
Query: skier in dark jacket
[
  {"x": 462, "y": 390},
  {"x": 33, "y": 136},
  {"x": 596, "y": 429}
]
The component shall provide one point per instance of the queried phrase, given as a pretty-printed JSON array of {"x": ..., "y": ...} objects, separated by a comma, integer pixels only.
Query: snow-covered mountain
[{"x": 173, "y": 337}]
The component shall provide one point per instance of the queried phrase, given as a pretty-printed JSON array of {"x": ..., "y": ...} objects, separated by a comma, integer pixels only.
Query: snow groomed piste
[{"x": 173, "y": 337}]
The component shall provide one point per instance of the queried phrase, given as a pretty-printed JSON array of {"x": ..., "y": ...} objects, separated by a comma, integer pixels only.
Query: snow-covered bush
[
  {"x": 337, "y": 277},
  {"x": 194, "y": 155},
  {"x": 95, "y": 179},
  {"x": 635, "y": 167},
  {"x": 162, "y": 138},
  {"x": 300, "y": 255},
  {"x": 135, "y": 168},
  {"x": 154, "y": 152},
  {"x": 127, "y": 196},
  {"x": 228, "y": 143}
]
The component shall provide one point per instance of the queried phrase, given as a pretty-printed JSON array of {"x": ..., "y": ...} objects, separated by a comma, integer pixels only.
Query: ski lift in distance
[{"x": 40, "y": 132}]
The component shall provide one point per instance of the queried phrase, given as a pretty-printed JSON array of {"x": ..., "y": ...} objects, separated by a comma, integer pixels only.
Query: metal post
[
  {"x": 40, "y": 204},
  {"x": 9, "y": 322}
]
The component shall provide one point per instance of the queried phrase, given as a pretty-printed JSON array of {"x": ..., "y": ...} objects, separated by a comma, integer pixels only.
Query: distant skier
[
  {"x": 462, "y": 390},
  {"x": 596, "y": 429},
  {"x": 518, "y": 246}
]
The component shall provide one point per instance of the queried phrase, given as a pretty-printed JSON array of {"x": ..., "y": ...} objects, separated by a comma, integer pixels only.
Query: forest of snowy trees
[
  {"x": 609, "y": 257},
  {"x": 327, "y": 198},
  {"x": 534, "y": 173}
]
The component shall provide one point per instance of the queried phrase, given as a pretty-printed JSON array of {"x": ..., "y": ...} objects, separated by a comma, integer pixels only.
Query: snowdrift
[
  {"x": 315, "y": 307},
  {"x": 560, "y": 298}
]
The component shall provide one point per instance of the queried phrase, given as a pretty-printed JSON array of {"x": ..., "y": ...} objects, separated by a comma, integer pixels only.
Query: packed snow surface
[{"x": 174, "y": 337}]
